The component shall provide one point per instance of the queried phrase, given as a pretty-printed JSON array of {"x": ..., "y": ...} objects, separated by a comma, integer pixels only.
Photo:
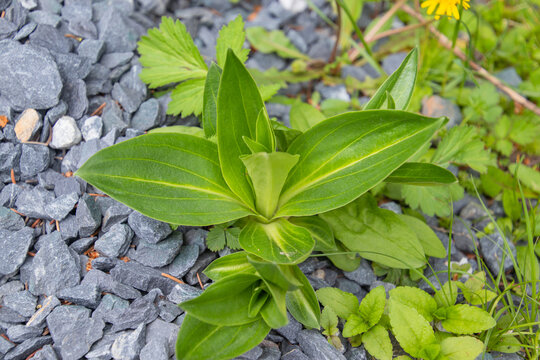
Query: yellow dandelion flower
[{"x": 448, "y": 8}]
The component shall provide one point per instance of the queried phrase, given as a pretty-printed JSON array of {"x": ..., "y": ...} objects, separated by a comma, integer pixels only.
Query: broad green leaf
[
  {"x": 355, "y": 325},
  {"x": 173, "y": 178},
  {"x": 422, "y": 174},
  {"x": 268, "y": 172},
  {"x": 377, "y": 343},
  {"x": 231, "y": 36},
  {"x": 412, "y": 330},
  {"x": 273, "y": 41},
  {"x": 304, "y": 116},
  {"x": 461, "y": 348},
  {"x": 186, "y": 98},
  {"x": 278, "y": 241},
  {"x": 257, "y": 301},
  {"x": 199, "y": 340},
  {"x": 233, "y": 264},
  {"x": 346, "y": 262},
  {"x": 465, "y": 319},
  {"x": 376, "y": 234},
  {"x": 507, "y": 345},
  {"x": 473, "y": 289},
  {"x": 529, "y": 177},
  {"x": 430, "y": 351},
  {"x": 320, "y": 231},
  {"x": 372, "y": 305},
  {"x": 343, "y": 303},
  {"x": 225, "y": 302},
  {"x": 168, "y": 55},
  {"x": 239, "y": 104},
  {"x": 511, "y": 204},
  {"x": 400, "y": 85},
  {"x": 447, "y": 296},
  {"x": 302, "y": 302},
  {"x": 430, "y": 241},
  {"x": 344, "y": 156},
  {"x": 180, "y": 129},
  {"x": 415, "y": 298},
  {"x": 274, "y": 312},
  {"x": 280, "y": 275},
  {"x": 264, "y": 134},
  {"x": 211, "y": 87}
]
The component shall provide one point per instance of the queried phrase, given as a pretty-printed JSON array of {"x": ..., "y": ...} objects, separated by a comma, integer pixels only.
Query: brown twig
[
  {"x": 99, "y": 110},
  {"x": 375, "y": 29},
  {"x": 447, "y": 43},
  {"x": 333, "y": 54},
  {"x": 200, "y": 282},
  {"x": 172, "y": 278}
]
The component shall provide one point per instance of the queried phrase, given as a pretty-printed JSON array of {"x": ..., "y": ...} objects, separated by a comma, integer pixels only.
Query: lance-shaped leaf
[
  {"x": 211, "y": 87},
  {"x": 344, "y": 156},
  {"x": 376, "y": 234},
  {"x": 319, "y": 230},
  {"x": 268, "y": 172},
  {"x": 225, "y": 302},
  {"x": 239, "y": 104},
  {"x": 280, "y": 275},
  {"x": 279, "y": 241},
  {"x": 413, "y": 173},
  {"x": 233, "y": 264},
  {"x": 399, "y": 85},
  {"x": 302, "y": 303},
  {"x": 199, "y": 340},
  {"x": 274, "y": 312},
  {"x": 170, "y": 177}
]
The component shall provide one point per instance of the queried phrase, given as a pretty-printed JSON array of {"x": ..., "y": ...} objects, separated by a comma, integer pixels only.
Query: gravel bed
[{"x": 60, "y": 61}]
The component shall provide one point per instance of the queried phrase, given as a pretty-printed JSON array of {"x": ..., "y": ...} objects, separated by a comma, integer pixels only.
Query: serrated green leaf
[
  {"x": 465, "y": 319},
  {"x": 232, "y": 234},
  {"x": 273, "y": 41},
  {"x": 423, "y": 174},
  {"x": 268, "y": 172},
  {"x": 372, "y": 305},
  {"x": 462, "y": 146},
  {"x": 186, "y": 98},
  {"x": 225, "y": 302},
  {"x": 231, "y": 36},
  {"x": 302, "y": 302},
  {"x": 399, "y": 85},
  {"x": 461, "y": 348},
  {"x": 168, "y": 55},
  {"x": 343, "y": 303},
  {"x": 232, "y": 264},
  {"x": 344, "y": 156},
  {"x": 529, "y": 177},
  {"x": 215, "y": 239},
  {"x": 320, "y": 231},
  {"x": 211, "y": 88},
  {"x": 304, "y": 116},
  {"x": 447, "y": 296},
  {"x": 415, "y": 298},
  {"x": 239, "y": 104},
  {"x": 170, "y": 177},
  {"x": 431, "y": 243},
  {"x": 376, "y": 234},
  {"x": 377, "y": 343},
  {"x": 412, "y": 330},
  {"x": 355, "y": 325},
  {"x": 432, "y": 200},
  {"x": 278, "y": 241},
  {"x": 329, "y": 320},
  {"x": 199, "y": 340}
]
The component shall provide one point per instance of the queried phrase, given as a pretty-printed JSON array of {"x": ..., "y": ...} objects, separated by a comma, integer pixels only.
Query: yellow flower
[{"x": 445, "y": 7}]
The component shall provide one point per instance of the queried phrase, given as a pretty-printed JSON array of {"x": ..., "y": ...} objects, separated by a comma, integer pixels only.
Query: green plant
[
  {"x": 263, "y": 184},
  {"x": 414, "y": 318}
]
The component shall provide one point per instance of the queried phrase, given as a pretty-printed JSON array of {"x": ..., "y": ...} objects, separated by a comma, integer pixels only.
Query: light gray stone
[
  {"x": 65, "y": 133},
  {"x": 14, "y": 247}
]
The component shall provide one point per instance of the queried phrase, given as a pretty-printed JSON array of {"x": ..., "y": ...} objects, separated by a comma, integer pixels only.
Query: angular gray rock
[
  {"x": 151, "y": 230},
  {"x": 32, "y": 202},
  {"x": 129, "y": 344},
  {"x": 492, "y": 248},
  {"x": 183, "y": 292},
  {"x": 160, "y": 254},
  {"x": 54, "y": 268},
  {"x": 62, "y": 206},
  {"x": 46, "y": 353},
  {"x": 14, "y": 247},
  {"x": 34, "y": 159},
  {"x": 74, "y": 95},
  {"x": 110, "y": 308},
  {"x": 87, "y": 295},
  {"x": 66, "y": 134},
  {"x": 115, "y": 242},
  {"x": 315, "y": 346},
  {"x": 92, "y": 128},
  {"x": 47, "y": 307},
  {"x": 185, "y": 260},
  {"x": 21, "y": 302},
  {"x": 88, "y": 215},
  {"x": 27, "y": 347},
  {"x": 117, "y": 213},
  {"x": 141, "y": 311},
  {"x": 291, "y": 330},
  {"x": 20, "y": 333},
  {"x": 9, "y": 220},
  {"x": 148, "y": 116},
  {"x": 29, "y": 77},
  {"x": 141, "y": 277},
  {"x": 363, "y": 275}
]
